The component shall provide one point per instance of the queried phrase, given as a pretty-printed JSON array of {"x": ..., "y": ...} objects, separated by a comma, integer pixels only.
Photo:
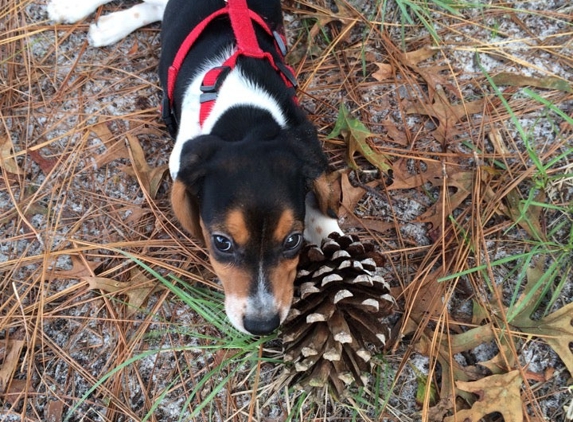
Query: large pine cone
[{"x": 335, "y": 322}]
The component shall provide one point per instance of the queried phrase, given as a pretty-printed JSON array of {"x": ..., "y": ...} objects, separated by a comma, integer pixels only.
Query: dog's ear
[
  {"x": 186, "y": 209},
  {"x": 187, "y": 187},
  {"x": 327, "y": 190},
  {"x": 323, "y": 182}
]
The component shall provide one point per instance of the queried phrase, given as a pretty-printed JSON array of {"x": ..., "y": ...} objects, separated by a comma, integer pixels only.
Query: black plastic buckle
[
  {"x": 168, "y": 116},
  {"x": 287, "y": 72},
  {"x": 209, "y": 92},
  {"x": 280, "y": 43}
]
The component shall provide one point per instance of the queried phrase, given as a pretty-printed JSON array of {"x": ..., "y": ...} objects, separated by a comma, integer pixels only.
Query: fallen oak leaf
[
  {"x": 115, "y": 148},
  {"x": 16, "y": 391},
  {"x": 46, "y": 164},
  {"x": 394, "y": 134},
  {"x": 463, "y": 182},
  {"x": 503, "y": 360},
  {"x": 137, "y": 289},
  {"x": 10, "y": 362},
  {"x": 497, "y": 393},
  {"x": 149, "y": 178},
  {"x": 355, "y": 135},
  {"x": 547, "y": 82},
  {"x": 452, "y": 345},
  {"x": 413, "y": 58},
  {"x": 447, "y": 114},
  {"x": 81, "y": 268},
  {"x": 352, "y": 195},
  {"x": 345, "y": 16},
  {"x": 402, "y": 178},
  {"x": 7, "y": 158},
  {"x": 385, "y": 71},
  {"x": 555, "y": 329}
]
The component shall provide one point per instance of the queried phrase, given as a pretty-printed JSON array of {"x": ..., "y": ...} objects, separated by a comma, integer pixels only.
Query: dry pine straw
[{"x": 83, "y": 154}]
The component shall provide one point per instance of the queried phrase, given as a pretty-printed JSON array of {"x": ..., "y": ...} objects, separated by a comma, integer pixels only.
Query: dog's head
[{"x": 246, "y": 200}]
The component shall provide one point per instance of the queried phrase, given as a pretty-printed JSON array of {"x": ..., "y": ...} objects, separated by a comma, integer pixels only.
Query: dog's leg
[
  {"x": 71, "y": 11},
  {"x": 317, "y": 225},
  {"x": 112, "y": 28}
]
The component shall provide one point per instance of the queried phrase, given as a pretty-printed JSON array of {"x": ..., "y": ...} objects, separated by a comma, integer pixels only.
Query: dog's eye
[
  {"x": 293, "y": 241},
  {"x": 222, "y": 243}
]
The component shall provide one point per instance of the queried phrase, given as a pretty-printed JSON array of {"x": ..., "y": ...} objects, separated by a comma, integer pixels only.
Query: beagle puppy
[{"x": 249, "y": 176}]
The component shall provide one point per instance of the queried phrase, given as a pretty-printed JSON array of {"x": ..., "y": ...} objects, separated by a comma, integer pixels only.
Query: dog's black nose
[{"x": 259, "y": 326}]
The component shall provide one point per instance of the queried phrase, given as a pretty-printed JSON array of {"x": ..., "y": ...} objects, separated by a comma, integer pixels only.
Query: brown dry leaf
[
  {"x": 403, "y": 179},
  {"x": 439, "y": 411},
  {"x": 46, "y": 164},
  {"x": 436, "y": 80},
  {"x": 450, "y": 368},
  {"x": 413, "y": 58},
  {"x": 497, "y": 393},
  {"x": 385, "y": 71},
  {"x": 16, "y": 391},
  {"x": 351, "y": 195},
  {"x": 55, "y": 410},
  {"x": 463, "y": 182},
  {"x": 101, "y": 130},
  {"x": 555, "y": 329},
  {"x": 134, "y": 49},
  {"x": 503, "y": 360},
  {"x": 345, "y": 16},
  {"x": 448, "y": 115},
  {"x": 10, "y": 362},
  {"x": 547, "y": 82},
  {"x": 149, "y": 178},
  {"x": 7, "y": 160},
  {"x": 138, "y": 295},
  {"x": 115, "y": 149},
  {"x": 528, "y": 218},
  {"x": 425, "y": 301},
  {"x": 137, "y": 289},
  {"x": 80, "y": 268},
  {"x": 394, "y": 134},
  {"x": 431, "y": 74}
]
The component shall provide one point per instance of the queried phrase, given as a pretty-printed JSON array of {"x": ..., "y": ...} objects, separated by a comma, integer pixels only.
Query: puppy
[{"x": 250, "y": 177}]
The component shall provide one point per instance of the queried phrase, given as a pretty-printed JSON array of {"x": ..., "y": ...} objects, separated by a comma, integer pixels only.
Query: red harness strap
[{"x": 241, "y": 18}]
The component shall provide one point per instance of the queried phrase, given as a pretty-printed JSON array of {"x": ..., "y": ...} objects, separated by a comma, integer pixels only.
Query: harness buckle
[
  {"x": 287, "y": 72},
  {"x": 168, "y": 116},
  {"x": 280, "y": 43},
  {"x": 212, "y": 81}
]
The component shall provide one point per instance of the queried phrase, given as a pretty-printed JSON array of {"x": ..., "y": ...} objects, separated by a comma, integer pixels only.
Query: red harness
[{"x": 241, "y": 18}]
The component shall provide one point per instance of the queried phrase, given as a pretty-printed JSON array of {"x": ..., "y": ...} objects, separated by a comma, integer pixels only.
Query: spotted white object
[
  {"x": 110, "y": 28},
  {"x": 318, "y": 226}
]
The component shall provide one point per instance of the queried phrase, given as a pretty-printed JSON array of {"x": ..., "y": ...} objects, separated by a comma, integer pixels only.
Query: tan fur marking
[
  {"x": 186, "y": 209},
  {"x": 235, "y": 280},
  {"x": 282, "y": 281},
  {"x": 236, "y": 227},
  {"x": 286, "y": 225}
]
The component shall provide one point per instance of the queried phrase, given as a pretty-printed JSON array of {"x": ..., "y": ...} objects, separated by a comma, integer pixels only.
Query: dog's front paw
[
  {"x": 69, "y": 11},
  {"x": 106, "y": 31}
]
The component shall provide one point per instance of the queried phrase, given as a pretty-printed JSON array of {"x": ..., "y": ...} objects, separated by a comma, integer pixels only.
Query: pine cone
[{"x": 335, "y": 320}]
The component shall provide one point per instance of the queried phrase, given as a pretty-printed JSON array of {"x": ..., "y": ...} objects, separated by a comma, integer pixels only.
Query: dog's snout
[{"x": 261, "y": 326}]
